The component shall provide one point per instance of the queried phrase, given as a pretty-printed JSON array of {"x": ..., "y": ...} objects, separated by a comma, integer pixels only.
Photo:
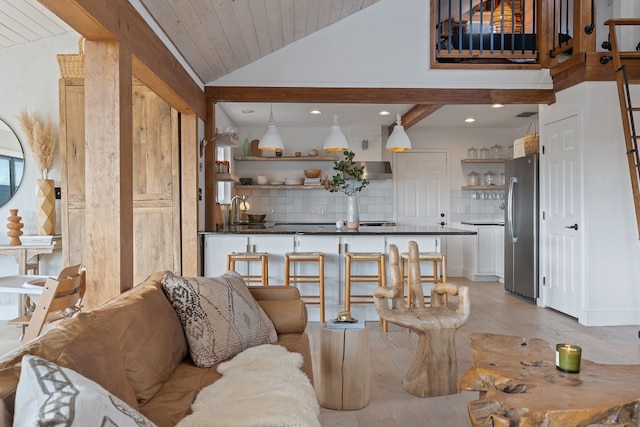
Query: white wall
[
  {"x": 384, "y": 45},
  {"x": 610, "y": 295},
  {"x": 29, "y": 81}
]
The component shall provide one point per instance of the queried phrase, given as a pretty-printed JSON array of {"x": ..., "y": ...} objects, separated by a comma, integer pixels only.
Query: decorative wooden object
[
  {"x": 520, "y": 385},
  {"x": 15, "y": 227},
  {"x": 434, "y": 370},
  {"x": 344, "y": 368},
  {"x": 45, "y": 207}
]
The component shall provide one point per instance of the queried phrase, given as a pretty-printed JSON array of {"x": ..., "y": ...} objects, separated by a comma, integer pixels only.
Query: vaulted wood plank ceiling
[{"x": 217, "y": 37}]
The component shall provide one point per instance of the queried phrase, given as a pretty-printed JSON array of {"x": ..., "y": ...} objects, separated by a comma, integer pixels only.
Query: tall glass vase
[
  {"x": 45, "y": 207},
  {"x": 353, "y": 217}
]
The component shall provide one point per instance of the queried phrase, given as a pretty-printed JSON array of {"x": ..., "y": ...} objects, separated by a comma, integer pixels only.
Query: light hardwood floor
[{"x": 492, "y": 310}]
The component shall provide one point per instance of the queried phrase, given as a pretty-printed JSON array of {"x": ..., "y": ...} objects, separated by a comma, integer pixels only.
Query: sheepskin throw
[
  {"x": 262, "y": 386},
  {"x": 219, "y": 315}
]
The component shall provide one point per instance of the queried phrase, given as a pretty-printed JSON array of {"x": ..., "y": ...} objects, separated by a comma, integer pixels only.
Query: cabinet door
[
  {"x": 333, "y": 291},
  {"x": 362, "y": 244},
  {"x": 216, "y": 249},
  {"x": 499, "y": 241},
  {"x": 486, "y": 250},
  {"x": 276, "y": 245}
]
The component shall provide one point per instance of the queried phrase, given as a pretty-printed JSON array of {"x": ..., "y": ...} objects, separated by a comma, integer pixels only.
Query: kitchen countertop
[
  {"x": 330, "y": 229},
  {"x": 484, "y": 222}
]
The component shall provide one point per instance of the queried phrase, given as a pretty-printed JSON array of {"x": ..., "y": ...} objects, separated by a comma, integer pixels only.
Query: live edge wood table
[{"x": 519, "y": 385}]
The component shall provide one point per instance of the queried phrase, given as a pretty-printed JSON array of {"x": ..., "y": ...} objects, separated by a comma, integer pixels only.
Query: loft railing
[{"x": 516, "y": 32}]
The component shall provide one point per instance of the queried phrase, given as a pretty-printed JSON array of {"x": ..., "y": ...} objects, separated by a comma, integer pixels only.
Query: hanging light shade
[
  {"x": 271, "y": 140},
  {"x": 398, "y": 140},
  {"x": 336, "y": 141},
  {"x": 503, "y": 17}
]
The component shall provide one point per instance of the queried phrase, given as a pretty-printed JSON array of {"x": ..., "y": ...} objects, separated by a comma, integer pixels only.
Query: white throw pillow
[
  {"x": 51, "y": 395},
  {"x": 219, "y": 315}
]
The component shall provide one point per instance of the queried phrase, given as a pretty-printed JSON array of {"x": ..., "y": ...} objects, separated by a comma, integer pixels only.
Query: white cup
[
  {"x": 261, "y": 180},
  {"x": 339, "y": 224}
]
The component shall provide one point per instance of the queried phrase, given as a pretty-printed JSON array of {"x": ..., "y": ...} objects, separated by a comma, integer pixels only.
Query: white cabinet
[
  {"x": 500, "y": 253},
  {"x": 483, "y": 254},
  {"x": 218, "y": 246},
  {"x": 216, "y": 249}
]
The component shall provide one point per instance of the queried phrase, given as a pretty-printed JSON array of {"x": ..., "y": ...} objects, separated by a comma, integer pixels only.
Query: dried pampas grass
[{"x": 41, "y": 137}]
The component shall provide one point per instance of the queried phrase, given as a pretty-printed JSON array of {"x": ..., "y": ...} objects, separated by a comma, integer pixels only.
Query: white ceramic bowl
[{"x": 262, "y": 180}]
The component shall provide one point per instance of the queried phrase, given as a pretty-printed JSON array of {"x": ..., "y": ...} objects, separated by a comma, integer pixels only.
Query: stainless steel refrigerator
[{"x": 521, "y": 227}]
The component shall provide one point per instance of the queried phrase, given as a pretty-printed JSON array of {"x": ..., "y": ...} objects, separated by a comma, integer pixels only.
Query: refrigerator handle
[{"x": 513, "y": 185}]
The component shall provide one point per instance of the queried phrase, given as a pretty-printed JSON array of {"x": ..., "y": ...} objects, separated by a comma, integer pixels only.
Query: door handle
[{"x": 574, "y": 226}]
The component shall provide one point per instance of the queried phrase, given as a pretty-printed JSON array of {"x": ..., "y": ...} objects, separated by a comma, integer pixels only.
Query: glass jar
[
  {"x": 501, "y": 179},
  {"x": 489, "y": 178},
  {"x": 496, "y": 152},
  {"x": 473, "y": 178},
  {"x": 484, "y": 153},
  {"x": 472, "y": 153}
]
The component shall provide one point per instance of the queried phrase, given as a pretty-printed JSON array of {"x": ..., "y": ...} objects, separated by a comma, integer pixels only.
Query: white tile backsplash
[{"x": 375, "y": 203}]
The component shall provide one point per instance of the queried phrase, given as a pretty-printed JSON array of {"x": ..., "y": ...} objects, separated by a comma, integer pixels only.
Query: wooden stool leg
[
  {"x": 287, "y": 264},
  {"x": 347, "y": 284},
  {"x": 321, "y": 286},
  {"x": 265, "y": 271}
]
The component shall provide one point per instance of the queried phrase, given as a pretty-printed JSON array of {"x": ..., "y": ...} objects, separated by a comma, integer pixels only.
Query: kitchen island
[{"x": 278, "y": 238}]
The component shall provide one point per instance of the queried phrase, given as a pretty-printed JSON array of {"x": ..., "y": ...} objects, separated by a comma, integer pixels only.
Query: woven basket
[
  {"x": 72, "y": 64},
  {"x": 531, "y": 141}
]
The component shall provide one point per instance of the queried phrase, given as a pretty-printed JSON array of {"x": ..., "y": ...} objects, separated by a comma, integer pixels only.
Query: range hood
[{"x": 375, "y": 171}]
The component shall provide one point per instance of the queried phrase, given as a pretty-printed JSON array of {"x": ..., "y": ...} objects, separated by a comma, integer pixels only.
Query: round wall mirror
[{"x": 11, "y": 163}]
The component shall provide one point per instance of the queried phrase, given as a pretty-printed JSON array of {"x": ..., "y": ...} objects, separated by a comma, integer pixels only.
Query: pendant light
[
  {"x": 271, "y": 140},
  {"x": 336, "y": 141},
  {"x": 398, "y": 140}
]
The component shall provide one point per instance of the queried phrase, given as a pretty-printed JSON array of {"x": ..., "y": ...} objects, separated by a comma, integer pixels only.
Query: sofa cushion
[
  {"x": 84, "y": 343},
  {"x": 219, "y": 315},
  {"x": 149, "y": 334},
  {"x": 49, "y": 394}
]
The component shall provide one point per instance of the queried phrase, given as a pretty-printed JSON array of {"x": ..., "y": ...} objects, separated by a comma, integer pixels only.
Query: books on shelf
[
  {"x": 312, "y": 181},
  {"x": 39, "y": 240},
  {"x": 335, "y": 324}
]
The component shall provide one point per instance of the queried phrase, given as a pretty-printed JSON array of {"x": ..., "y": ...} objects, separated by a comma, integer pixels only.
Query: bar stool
[
  {"x": 261, "y": 257},
  {"x": 435, "y": 258},
  {"x": 293, "y": 257},
  {"x": 349, "y": 278}
]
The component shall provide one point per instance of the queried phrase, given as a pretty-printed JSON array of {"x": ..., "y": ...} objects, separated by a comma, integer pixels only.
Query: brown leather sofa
[{"x": 134, "y": 346}]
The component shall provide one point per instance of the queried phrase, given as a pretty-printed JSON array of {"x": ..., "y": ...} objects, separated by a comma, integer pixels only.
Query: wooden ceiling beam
[
  {"x": 416, "y": 114},
  {"x": 153, "y": 63},
  {"x": 433, "y": 96}
]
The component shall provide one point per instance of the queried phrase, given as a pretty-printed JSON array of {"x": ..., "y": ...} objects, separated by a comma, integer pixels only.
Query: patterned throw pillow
[
  {"x": 219, "y": 315},
  {"x": 49, "y": 394}
]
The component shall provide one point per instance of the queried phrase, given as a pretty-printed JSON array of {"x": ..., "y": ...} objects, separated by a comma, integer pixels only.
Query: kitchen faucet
[{"x": 234, "y": 212}]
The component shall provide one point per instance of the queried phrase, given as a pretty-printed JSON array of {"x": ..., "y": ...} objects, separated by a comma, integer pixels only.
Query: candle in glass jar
[{"x": 568, "y": 358}]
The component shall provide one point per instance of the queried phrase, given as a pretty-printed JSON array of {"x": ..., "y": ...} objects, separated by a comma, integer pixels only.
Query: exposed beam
[
  {"x": 378, "y": 95},
  {"x": 153, "y": 63},
  {"x": 415, "y": 115}
]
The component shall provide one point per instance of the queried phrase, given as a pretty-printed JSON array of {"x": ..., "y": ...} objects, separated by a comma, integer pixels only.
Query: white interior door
[
  {"x": 561, "y": 239},
  {"x": 422, "y": 188}
]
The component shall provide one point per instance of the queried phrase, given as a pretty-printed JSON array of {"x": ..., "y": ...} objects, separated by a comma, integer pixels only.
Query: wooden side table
[
  {"x": 344, "y": 368},
  {"x": 28, "y": 256}
]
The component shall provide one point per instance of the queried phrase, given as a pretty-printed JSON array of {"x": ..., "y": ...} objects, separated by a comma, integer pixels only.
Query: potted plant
[{"x": 349, "y": 180}]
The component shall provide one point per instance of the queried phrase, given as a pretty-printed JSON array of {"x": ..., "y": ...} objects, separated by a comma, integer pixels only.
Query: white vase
[
  {"x": 45, "y": 207},
  {"x": 353, "y": 217}
]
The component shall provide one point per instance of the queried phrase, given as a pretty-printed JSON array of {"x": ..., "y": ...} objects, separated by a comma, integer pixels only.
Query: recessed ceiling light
[
  {"x": 247, "y": 111},
  {"x": 384, "y": 113},
  {"x": 315, "y": 112},
  {"x": 469, "y": 120},
  {"x": 497, "y": 106}
]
